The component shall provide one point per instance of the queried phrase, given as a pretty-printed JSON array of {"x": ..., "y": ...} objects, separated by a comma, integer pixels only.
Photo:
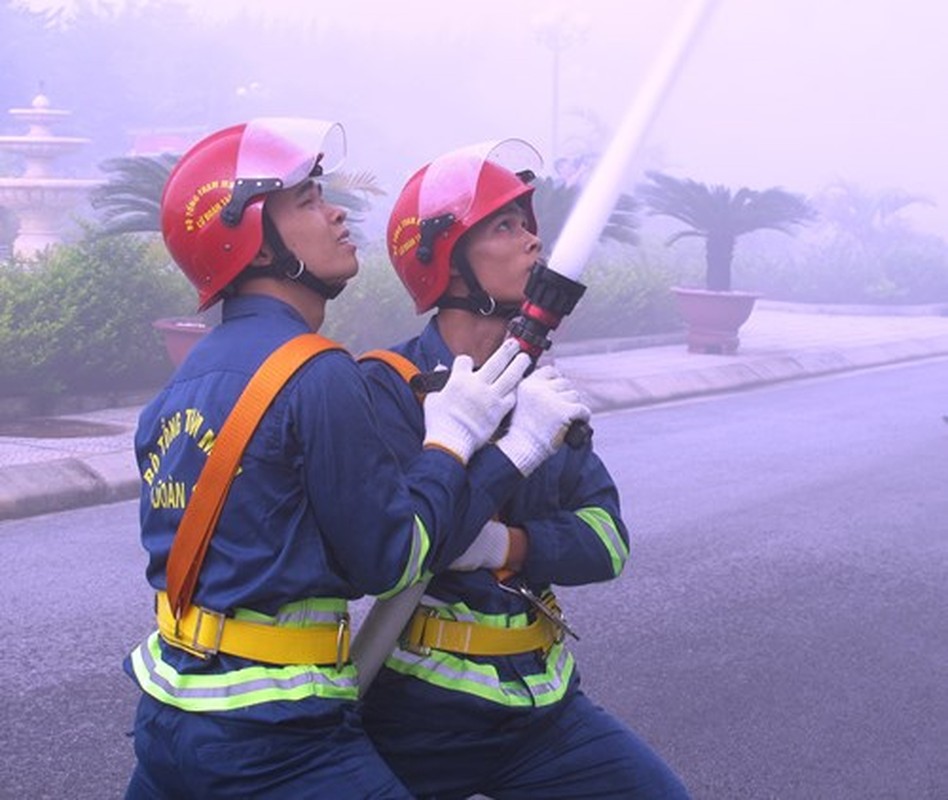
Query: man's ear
[{"x": 264, "y": 257}]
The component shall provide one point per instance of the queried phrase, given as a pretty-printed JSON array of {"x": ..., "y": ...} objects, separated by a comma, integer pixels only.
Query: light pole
[{"x": 558, "y": 29}]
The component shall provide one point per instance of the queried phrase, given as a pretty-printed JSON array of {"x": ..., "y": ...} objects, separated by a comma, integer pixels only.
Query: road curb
[
  {"x": 611, "y": 393},
  {"x": 95, "y": 478},
  {"x": 28, "y": 490}
]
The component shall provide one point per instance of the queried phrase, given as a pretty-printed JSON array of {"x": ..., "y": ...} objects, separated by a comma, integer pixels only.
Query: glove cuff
[
  {"x": 489, "y": 550},
  {"x": 525, "y": 453},
  {"x": 436, "y": 446},
  {"x": 452, "y": 439}
]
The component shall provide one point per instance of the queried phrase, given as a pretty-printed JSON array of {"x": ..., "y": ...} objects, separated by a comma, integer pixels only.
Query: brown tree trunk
[{"x": 719, "y": 253}]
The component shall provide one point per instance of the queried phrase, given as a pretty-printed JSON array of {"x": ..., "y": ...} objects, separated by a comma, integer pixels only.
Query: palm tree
[
  {"x": 351, "y": 190},
  {"x": 129, "y": 201},
  {"x": 720, "y": 216},
  {"x": 553, "y": 200},
  {"x": 869, "y": 217}
]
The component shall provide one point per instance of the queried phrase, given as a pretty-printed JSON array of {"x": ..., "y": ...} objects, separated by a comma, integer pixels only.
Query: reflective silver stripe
[
  {"x": 461, "y": 612},
  {"x": 300, "y": 613},
  {"x": 304, "y": 617},
  {"x": 553, "y": 682},
  {"x": 238, "y": 689},
  {"x": 608, "y": 532},
  {"x": 420, "y": 544},
  {"x": 481, "y": 680}
]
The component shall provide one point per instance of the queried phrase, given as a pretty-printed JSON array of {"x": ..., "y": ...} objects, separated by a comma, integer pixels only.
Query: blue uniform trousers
[
  {"x": 576, "y": 751},
  {"x": 219, "y": 757}
]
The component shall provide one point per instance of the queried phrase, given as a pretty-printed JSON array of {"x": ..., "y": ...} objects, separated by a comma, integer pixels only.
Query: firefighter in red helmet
[
  {"x": 481, "y": 694},
  {"x": 247, "y": 686},
  {"x": 439, "y": 204},
  {"x": 212, "y": 208}
]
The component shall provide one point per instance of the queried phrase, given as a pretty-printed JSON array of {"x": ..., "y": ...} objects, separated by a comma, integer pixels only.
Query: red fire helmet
[
  {"x": 445, "y": 199},
  {"x": 212, "y": 204}
]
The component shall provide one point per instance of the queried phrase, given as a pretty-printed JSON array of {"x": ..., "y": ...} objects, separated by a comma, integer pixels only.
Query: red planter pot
[
  {"x": 713, "y": 318},
  {"x": 180, "y": 334}
]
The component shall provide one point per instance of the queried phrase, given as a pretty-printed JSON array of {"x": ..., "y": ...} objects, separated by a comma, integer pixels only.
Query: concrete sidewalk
[{"x": 780, "y": 342}]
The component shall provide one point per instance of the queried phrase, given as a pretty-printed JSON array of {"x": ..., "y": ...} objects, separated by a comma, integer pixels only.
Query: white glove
[
  {"x": 488, "y": 551},
  {"x": 546, "y": 405},
  {"x": 466, "y": 412}
]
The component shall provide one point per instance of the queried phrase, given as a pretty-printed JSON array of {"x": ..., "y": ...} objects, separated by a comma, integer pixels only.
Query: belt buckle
[
  {"x": 554, "y": 616},
  {"x": 342, "y": 628},
  {"x": 195, "y": 645},
  {"x": 546, "y": 607},
  {"x": 405, "y": 642}
]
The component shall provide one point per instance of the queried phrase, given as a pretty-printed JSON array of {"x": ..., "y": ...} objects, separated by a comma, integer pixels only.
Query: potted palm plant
[
  {"x": 129, "y": 202},
  {"x": 715, "y": 313}
]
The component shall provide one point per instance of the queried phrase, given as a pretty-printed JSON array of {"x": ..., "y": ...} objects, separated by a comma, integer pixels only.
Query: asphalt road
[{"x": 780, "y": 633}]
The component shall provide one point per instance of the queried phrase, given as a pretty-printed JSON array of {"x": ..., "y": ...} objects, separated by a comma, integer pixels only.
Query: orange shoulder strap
[
  {"x": 204, "y": 508},
  {"x": 397, "y": 362}
]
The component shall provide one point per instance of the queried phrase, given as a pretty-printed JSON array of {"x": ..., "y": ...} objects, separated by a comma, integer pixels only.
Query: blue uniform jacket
[
  {"x": 570, "y": 509},
  {"x": 320, "y": 512}
]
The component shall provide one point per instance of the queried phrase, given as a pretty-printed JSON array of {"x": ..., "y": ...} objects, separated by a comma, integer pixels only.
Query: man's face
[
  {"x": 501, "y": 250},
  {"x": 314, "y": 230}
]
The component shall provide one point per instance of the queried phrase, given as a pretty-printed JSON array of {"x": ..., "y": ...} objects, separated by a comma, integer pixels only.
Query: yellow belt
[
  {"x": 205, "y": 633},
  {"x": 426, "y": 632}
]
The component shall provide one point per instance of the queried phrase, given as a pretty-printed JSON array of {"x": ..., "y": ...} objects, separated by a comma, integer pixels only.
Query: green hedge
[
  {"x": 79, "y": 317},
  {"x": 627, "y": 295},
  {"x": 374, "y": 310},
  {"x": 835, "y": 267}
]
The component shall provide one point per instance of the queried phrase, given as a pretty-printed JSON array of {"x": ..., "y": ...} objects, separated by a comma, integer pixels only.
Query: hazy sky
[{"x": 794, "y": 93}]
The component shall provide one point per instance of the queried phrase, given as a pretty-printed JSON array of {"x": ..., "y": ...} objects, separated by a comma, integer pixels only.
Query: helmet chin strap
[
  {"x": 310, "y": 281},
  {"x": 287, "y": 266},
  {"x": 483, "y": 306},
  {"x": 478, "y": 301}
]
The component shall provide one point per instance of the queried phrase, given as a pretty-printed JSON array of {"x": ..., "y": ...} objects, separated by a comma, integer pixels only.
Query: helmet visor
[
  {"x": 449, "y": 185},
  {"x": 287, "y": 149}
]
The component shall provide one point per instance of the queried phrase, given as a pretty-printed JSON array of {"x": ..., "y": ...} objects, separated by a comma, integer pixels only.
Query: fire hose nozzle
[{"x": 550, "y": 296}]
